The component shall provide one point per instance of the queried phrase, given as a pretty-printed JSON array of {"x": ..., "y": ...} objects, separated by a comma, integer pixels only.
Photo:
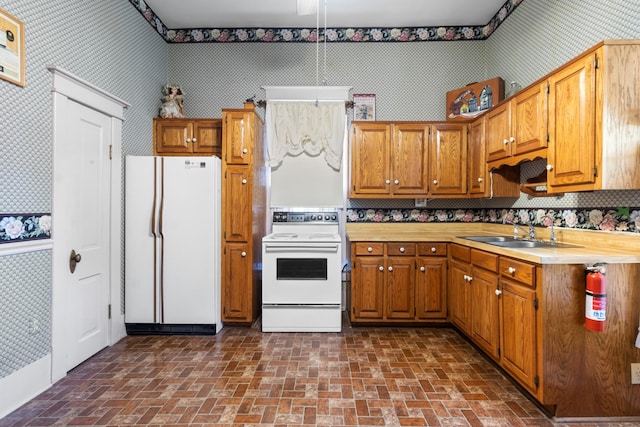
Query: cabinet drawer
[
  {"x": 484, "y": 260},
  {"x": 399, "y": 249},
  {"x": 432, "y": 249},
  {"x": 518, "y": 270},
  {"x": 369, "y": 249},
  {"x": 460, "y": 252}
]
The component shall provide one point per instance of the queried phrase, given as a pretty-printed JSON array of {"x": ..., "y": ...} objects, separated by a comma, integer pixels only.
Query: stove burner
[
  {"x": 284, "y": 236},
  {"x": 321, "y": 236}
]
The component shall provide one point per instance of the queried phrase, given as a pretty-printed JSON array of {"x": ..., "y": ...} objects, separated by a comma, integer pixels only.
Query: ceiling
[{"x": 186, "y": 14}]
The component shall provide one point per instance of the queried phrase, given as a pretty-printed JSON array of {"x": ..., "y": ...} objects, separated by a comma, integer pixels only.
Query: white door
[{"x": 83, "y": 210}]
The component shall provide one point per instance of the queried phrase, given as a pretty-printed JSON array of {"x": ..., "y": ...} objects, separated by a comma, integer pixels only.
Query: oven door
[{"x": 301, "y": 273}]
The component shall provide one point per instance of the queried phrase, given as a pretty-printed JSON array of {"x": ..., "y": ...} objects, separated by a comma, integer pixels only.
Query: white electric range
[{"x": 301, "y": 273}]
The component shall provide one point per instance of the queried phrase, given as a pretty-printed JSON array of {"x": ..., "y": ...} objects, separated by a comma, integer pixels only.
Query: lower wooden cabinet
[
  {"x": 237, "y": 300},
  {"x": 398, "y": 282},
  {"x": 431, "y": 281},
  {"x": 493, "y": 300},
  {"x": 518, "y": 322}
]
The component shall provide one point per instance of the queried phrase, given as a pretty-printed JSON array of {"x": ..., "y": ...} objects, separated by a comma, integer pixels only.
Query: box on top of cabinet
[{"x": 473, "y": 99}]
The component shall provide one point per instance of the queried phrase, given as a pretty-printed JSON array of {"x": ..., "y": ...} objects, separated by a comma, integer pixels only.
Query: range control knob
[{"x": 334, "y": 217}]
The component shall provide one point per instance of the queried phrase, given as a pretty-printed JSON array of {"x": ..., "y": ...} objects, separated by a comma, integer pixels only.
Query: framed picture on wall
[
  {"x": 364, "y": 106},
  {"x": 12, "y": 58}
]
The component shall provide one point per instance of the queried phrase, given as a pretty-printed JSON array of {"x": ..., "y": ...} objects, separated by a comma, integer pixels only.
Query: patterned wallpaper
[{"x": 109, "y": 45}]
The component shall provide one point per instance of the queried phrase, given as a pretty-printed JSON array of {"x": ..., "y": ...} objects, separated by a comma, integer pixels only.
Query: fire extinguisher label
[{"x": 596, "y": 307}]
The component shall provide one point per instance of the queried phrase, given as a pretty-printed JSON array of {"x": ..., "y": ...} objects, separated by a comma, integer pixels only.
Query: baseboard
[
  {"x": 24, "y": 384},
  {"x": 170, "y": 329}
]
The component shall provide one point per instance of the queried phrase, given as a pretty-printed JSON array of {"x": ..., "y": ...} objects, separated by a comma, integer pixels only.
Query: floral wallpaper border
[
  {"x": 24, "y": 227},
  {"x": 609, "y": 219},
  {"x": 305, "y": 35}
]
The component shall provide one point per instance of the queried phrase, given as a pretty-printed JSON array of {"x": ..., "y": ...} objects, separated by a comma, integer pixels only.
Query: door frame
[{"x": 66, "y": 87}]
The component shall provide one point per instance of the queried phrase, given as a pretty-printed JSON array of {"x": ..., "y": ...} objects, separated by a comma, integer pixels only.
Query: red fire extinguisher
[{"x": 596, "y": 301}]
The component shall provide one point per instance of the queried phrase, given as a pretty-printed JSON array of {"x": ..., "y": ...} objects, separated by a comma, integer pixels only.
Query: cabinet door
[
  {"x": 236, "y": 284},
  {"x": 571, "y": 153},
  {"x": 237, "y": 204},
  {"x": 409, "y": 159},
  {"x": 485, "y": 321},
  {"x": 400, "y": 294},
  {"x": 238, "y": 137},
  {"x": 460, "y": 295},
  {"x": 519, "y": 333},
  {"x": 530, "y": 120},
  {"x": 477, "y": 162},
  {"x": 370, "y": 170},
  {"x": 498, "y": 132},
  {"x": 207, "y": 137},
  {"x": 173, "y": 136},
  {"x": 448, "y": 159},
  {"x": 367, "y": 288},
  {"x": 431, "y": 285}
]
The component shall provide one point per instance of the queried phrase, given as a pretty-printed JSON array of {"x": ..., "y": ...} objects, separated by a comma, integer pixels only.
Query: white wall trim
[
  {"x": 80, "y": 90},
  {"x": 307, "y": 93},
  {"x": 67, "y": 86},
  {"x": 23, "y": 247},
  {"x": 24, "y": 384}
]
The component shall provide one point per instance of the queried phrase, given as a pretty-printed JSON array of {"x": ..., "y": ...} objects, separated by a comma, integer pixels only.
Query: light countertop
[{"x": 593, "y": 246}]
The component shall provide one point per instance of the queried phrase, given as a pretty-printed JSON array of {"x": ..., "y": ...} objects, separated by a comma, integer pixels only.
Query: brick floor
[{"x": 242, "y": 377}]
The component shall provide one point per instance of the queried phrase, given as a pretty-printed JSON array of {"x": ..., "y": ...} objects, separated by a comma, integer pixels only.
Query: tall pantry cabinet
[{"x": 244, "y": 210}]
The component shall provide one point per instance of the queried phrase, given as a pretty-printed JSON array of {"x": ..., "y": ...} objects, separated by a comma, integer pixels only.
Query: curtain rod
[{"x": 263, "y": 102}]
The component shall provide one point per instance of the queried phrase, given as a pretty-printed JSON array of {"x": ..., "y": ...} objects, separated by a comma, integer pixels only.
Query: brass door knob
[{"x": 74, "y": 259}]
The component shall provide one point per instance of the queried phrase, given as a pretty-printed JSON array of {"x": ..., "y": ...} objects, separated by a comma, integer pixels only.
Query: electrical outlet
[
  {"x": 420, "y": 203},
  {"x": 635, "y": 373}
]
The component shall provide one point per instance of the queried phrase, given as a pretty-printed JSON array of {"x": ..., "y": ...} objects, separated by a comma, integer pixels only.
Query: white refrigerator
[{"x": 172, "y": 245}]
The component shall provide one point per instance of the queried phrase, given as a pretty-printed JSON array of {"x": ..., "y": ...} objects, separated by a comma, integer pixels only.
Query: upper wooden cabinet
[
  {"x": 448, "y": 159},
  {"x": 408, "y": 160},
  {"x": 187, "y": 137},
  {"x": 500, "y": 182},
  {"x": 238, "y": 138},
  {"x": 389, "y": 160},
  {"x": 517, "y": 127},
  {"x": 593, "y": 120}
]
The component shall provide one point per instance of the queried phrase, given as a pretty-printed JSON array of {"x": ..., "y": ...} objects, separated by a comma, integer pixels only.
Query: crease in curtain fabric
[{"x": 294, "y": 127}]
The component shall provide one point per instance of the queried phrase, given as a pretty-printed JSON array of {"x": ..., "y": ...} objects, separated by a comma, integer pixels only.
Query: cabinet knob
[
  {"x": 243, "y": 253},
  {"x": 549, "y": 167},
  {"x": 381, "y": 268},
  {"x": 422, "y": 268},
  {"x": 505, "y": 142},
  {"x": 512, "y": 270},
  {"x": 498, "y": 292},
  {"x": 469, "y": 278},
  {"x": 194, "y": 140},
  {"x": 402, "y": 249},
  {"x": 390, "y": 268},
  {"x": 369, "y": 249},
  {"x": 480, "y": 180},
  {"x": 434, "y": 250},
  {"x": 512, "y": 139},
  {"x": 188, "y": 139},
  {"x": 435, "y": 182},
  {"x": 396, "y": 182},
  {"x": 388, "y": 181},
  {"x": 245, "y": 151},
  {"x": 244, "y": 180}
]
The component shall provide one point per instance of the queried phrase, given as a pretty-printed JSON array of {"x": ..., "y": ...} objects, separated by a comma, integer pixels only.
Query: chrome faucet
[
  {"x": 552, "y": 237},
  {"x": 531, "y": 232}
]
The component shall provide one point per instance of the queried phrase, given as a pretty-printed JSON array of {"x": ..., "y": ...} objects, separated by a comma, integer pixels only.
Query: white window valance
[{"x": 294, "y": 127}]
